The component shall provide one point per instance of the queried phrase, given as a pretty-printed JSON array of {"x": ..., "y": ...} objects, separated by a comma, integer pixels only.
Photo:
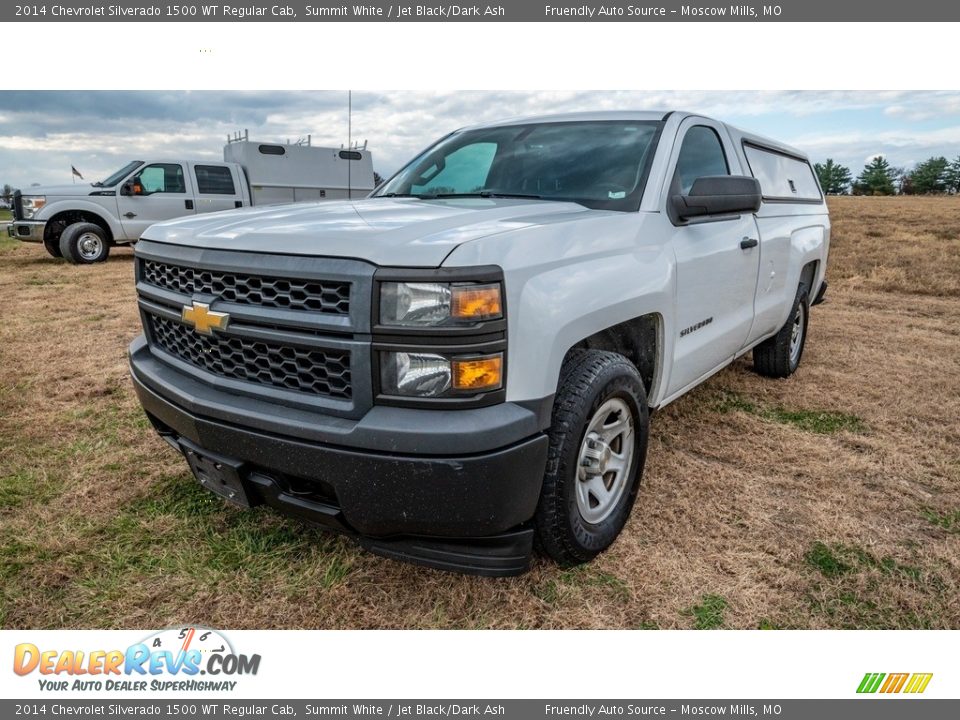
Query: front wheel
[
  {"x": 598, "y": 445},
  {"x": 84, "y": 243}
]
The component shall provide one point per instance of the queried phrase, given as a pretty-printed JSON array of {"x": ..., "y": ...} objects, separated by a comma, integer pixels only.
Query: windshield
[
  {"x": 120, "y": 174},
  {"x": 600, "y": 164}
]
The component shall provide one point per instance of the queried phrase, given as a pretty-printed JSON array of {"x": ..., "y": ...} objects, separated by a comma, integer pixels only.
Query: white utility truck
[
  {"x": 81, "y": 222},
  {"x": 467, "y": 360}
]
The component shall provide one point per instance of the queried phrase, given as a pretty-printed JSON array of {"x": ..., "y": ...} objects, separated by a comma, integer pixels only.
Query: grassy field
[
  {"x": 5, "y": 241},
  {"x": 831, "y": 499}
]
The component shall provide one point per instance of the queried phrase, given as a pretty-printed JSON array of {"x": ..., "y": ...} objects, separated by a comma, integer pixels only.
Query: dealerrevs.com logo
[{"x": 179, "y": 659}]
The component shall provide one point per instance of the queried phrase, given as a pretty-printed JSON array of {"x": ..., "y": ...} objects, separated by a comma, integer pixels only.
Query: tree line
[{"x": 934, "y": 176}]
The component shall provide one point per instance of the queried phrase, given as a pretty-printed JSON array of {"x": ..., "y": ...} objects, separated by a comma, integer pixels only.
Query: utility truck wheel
[
  {"x": 779, "y": 356},
  {"x": 598, "y": 444},
  {"x": 84, "y": 243},
  {"x": 53, "y": 247}
]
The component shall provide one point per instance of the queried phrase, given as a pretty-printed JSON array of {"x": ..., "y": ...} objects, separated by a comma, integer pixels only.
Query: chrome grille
[
  {"x": 302, "y": 369},
  {"x": 329, "y": 297}
]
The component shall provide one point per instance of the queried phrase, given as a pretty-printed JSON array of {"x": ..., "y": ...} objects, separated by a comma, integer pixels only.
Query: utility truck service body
[
  {"x": 467, "y": 359},
  {"x": 80, "y": 222}
]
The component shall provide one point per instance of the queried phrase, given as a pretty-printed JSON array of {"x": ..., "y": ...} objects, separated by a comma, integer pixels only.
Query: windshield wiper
[
  {"x": 478, "y": 194},
  {"x": 485, "y": 194}
]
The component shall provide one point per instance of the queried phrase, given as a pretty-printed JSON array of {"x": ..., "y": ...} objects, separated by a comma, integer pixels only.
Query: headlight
[
  {"x": 431, "y": 375},
  {"x": 428, "y": 304},
  {"x": 32, "y": 203}
]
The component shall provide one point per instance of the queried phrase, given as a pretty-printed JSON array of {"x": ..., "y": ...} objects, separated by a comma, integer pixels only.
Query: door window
[
  {"x": 214, "y": 180},
  {"x": 162, "y": 178},
  {"x": 701, "y": 155}
]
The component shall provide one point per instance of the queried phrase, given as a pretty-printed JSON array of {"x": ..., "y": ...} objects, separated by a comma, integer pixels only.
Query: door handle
[
  {"x": 130, "y": 215},
  {"x": 748, "y": 242},
  {"x": 188, "y": 204}
]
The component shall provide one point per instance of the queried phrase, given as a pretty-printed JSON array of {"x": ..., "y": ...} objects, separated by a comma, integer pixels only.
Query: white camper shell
[{"x": 300, "y": 173}]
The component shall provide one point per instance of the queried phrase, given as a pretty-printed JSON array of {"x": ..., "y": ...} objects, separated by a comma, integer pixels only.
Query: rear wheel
[
  {"x": 598, "y": 444},
  {"x": 84, "y": 243},
  {"x": 779, "y": 356}
]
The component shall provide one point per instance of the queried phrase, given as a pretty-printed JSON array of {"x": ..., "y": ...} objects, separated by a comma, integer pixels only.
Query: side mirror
[
  {"x": 718, "y": 195},
  {"x": 133, "y": 186}
]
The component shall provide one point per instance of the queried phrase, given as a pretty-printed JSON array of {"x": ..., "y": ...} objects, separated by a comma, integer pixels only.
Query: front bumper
[
  {"x": 449, "y": 489},
  {"x": 27, "y": 230}
]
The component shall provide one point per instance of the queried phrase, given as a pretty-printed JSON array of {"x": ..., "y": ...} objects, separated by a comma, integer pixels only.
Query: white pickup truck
[
  {"x": 81, "y": 222},
  {"x": 467, "y": 360}
]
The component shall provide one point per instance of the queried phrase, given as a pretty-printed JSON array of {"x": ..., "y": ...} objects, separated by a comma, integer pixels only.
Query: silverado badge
[{"x": 201, "y": 318}]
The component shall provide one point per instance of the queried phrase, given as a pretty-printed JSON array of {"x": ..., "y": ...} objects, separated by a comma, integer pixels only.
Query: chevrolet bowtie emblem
[{"x": 204, "y": 320}]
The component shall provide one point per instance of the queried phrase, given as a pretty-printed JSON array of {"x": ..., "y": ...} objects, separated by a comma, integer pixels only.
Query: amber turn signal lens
[
  {"x": 478, "y": 374},
  {"x": 476, "y": 302}
]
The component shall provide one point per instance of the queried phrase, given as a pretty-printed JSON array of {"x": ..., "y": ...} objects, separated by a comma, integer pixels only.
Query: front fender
[
  {"x": 559, "y": 308},
  {"x": 103, "y": 211},
  {"x": 565, "y": 282}
]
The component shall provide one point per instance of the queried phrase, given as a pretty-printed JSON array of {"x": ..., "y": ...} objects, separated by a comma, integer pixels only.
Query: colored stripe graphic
[
  {"x": 894, "y": 683},
  {"x": 918, "y": 682},
  {"x": 870, "y": 682}
]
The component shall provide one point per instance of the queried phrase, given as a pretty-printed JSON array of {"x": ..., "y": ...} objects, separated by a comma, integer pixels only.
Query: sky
[{"x": 44, "y": 133}]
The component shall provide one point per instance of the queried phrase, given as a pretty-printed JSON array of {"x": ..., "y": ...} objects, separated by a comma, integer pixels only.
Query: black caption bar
[
  {"x": 508, "y": 11},
  {"x": 209, "y": 707}
]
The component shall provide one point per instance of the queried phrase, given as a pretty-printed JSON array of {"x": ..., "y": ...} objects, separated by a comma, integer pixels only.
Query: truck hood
[
  {"x": 78, "y": 190},
  {"x": 406, "y": 232}
]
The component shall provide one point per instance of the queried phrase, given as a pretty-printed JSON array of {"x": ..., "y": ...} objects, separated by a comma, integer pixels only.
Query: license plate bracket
[{"x": 219, "y": 475}]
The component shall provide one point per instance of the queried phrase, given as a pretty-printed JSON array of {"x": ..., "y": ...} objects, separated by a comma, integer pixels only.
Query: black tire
[
  {"x": 53, "y": 248},
  {"x": 84, "y": 243},
  {"x": 774, "y": 357},
  {"x": 588, "y": 380}
]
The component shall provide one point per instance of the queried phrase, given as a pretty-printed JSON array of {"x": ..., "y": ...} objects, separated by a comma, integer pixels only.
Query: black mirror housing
[
  {"x": 718, "y": 195},
  {"x": 127, "y": 188}
]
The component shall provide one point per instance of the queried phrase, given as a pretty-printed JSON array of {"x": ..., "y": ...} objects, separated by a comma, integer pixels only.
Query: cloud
[
  {"x": 926, "y": 106},
  {"x": 901, "y": 147}
]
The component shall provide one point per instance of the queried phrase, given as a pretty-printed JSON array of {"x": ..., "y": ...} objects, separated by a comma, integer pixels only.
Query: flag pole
[{"x": 349, "y": 143}]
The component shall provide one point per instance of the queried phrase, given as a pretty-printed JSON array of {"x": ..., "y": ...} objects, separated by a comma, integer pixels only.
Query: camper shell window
[{"x": 782, "y": 177}]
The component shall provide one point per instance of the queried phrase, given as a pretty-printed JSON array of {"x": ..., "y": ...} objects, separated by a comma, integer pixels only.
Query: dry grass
[{"x": 828, "y": 500}]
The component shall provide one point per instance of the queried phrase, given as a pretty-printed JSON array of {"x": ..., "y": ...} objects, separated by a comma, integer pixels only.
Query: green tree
[
  {"x": 930, "y": 176},
  {"x": 875, "y": 179},
  {"x": 952, "y": 177},
  {"x": 7, "y": 191},
  {"x": 834, "y": 178},
  {"x": 377, "y": 179}
]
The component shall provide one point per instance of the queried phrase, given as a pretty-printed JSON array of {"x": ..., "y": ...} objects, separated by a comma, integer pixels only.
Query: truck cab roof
[{"x": 678, "y": 116}]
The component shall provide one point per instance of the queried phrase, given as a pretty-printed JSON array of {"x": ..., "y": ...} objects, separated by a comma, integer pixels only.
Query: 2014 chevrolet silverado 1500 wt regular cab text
[{"x": 466, "y": 361}]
